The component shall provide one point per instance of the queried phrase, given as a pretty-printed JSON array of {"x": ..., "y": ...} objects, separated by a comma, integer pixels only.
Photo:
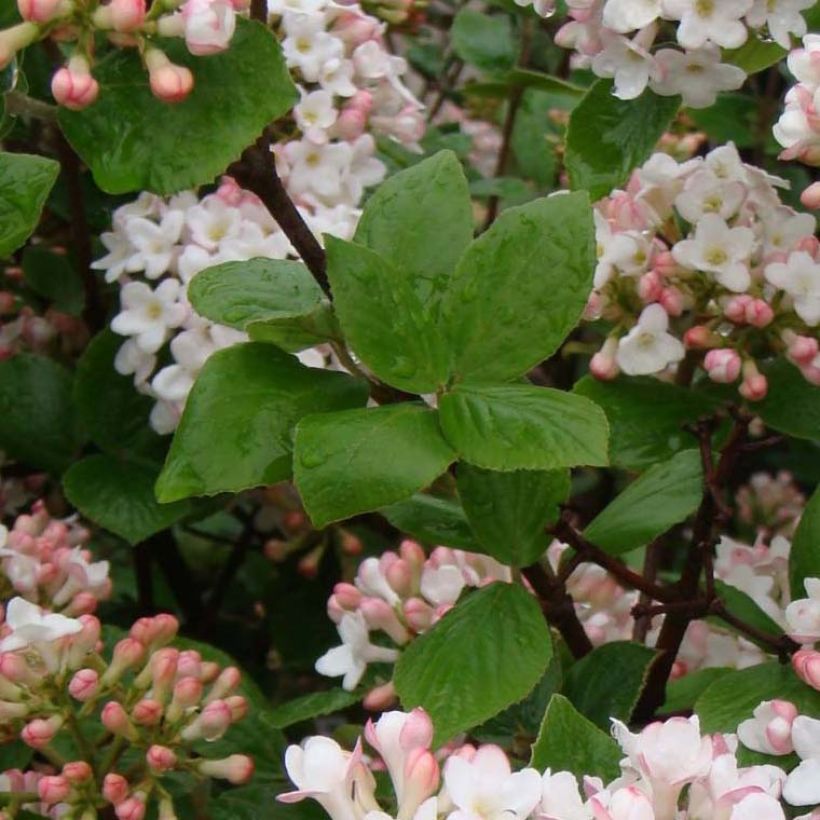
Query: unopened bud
[
  {"x": 160, "y": 759},
  {"x": 115, "y": 788},
  {"x": 147, "y": 712},
  {"x": 73, "y": 86},
  {"x": 115, "y": 719},
  {"x": 40, "y": 732},
  {"x": 169, "y": 82},
  {"x": 53, "y": 789},
  {"x": 84, "y": 684},
  {"x": 236, "y": 769},
  {"x": 77, "y": 771}
]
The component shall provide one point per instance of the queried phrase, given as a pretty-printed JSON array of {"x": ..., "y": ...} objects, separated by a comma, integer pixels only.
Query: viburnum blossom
[
  {"x": 798, "y": 129},
  {"x": 703, "y": 255}
]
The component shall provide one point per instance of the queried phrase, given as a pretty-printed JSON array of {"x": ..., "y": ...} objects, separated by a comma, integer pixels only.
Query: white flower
[
  {"x": 28, "y": 624},
  {"x": 783, "y": 228},
  {"x": 803, "y": 783},
  {"x": 155, "y": 243},
  {"x": 209, "y": 25},
  {"x": 648, "y": 348},
  {"x": 441, "y": 585},
  {"x": 21, "y": 569},
  {"x": 725, "y": 162},
  {"x": 619, "y": 252},
  {"x": 716, "y": 21},
  {"x": 336, "y": 76},
  {"x": 351, "y": 658},
  {"x": 212, "y": 221},
  {"x": 803, "y": 62},
  {"x": 782, "y": 17},
  {"x": 148, "y": 314},
  {"x": 803, "y": 615},
  {"x": 720, "y": 250},
  {"x": 317, "y": 168},
  {"x": 628, "y": 62},
  {"x": 799, "y": 276},
  {"x": 307, "y": 7},
  {"x": 315, "y": 114},
  {"x": 705, "y": 193},
  {"x": 131, "y": 359},
  {"x": 307, "y": 45},
  {"x": 628, "y": 15},
  {"x": 120, "y": 250},
  {"x": 561, "y": 800},
  {"x": 770, "y": 730},
  {"x": 696, "y": 75},
  {"x": 485, "y": 788}
]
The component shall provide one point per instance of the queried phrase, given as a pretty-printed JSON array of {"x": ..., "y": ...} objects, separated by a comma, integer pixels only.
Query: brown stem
[
  {"x": 559, "y": 609},
  {"x": 651, "y": 564},
  {"x": 781, "y": 645}
]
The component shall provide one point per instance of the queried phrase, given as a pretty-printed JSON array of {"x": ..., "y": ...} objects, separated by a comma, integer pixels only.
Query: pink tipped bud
[
  {"x": 147, "y": 712},
  {"x": 84, "y": 685},
  {"x": 40, "y": 732},
  {"x": 236, "y": 769},
  {"x": 77, "y": 771},
  {"x": 227, "y": 682},
  {"x": 166, "y": 627},
  {"x": 418, "y": 614},
  {"x": 665, "y": 265},
  {"x": 671, "y": 299},
  {"x": 115, "y": 788},
  {"x": 187, "y": 692},
  {"x": 53, "y": 789},
  {"x": 806, "y": 664},
  {"x": 211, "y": 723},
  {"x": 400, "y": 576},
  {"x": 723, "y": 365},
  {"x": 380, "y": 615},
  {"x": 417, "y": 732},
  {"x": 163, "y": 670},
  {"x": 650, "y": 287},
  {"x": 348, "y": 596},
  {"x": 603, "y": 364},
  {"x": 238, "y": 706},
  {"x": 801, "y": 349},
  {"x": 126, "y": 15},
  {"x": 412, "y": 552},
  {"x": 127, "y": 653},
  {"x": 380, "y": 697},
  {"x": 699, "y": 337},
  {"x": 115, "y": 719},
  {"x": 759, "y": 313},
  {"x": 755, "y": 385},
  {"x": 14, "y": 668},
  {"x": 130, "y": 809},
  {"x": 811, "y": 196},
  {"x": 160, "y": 759},
  {"x": 736, "y": 306},
  {"x": 83, "y": 603},
  {"x": 73, "y": 86},
  {"x": 421, "y": 775},
  {"x": 42, "y": 11},
  {"x": 189, "y": 664},
  {"x": 169, "y": 82}
]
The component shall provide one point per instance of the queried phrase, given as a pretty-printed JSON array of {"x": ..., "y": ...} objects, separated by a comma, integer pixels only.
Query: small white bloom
[
  {"x": 629, "y": 15},
  {"x": 648, "y": 348},
  {"x": 782, "y": 17},
  {"x": 148, "y": 314},
  {"x": 131, "y": 359},
  {"x": 442, "y": 585},
  {"x": 156, "y": 244},
  {"x": 628, "y": 62},
  {"x": 706, "y": 193},
  {"x": 799, "y": 276},
  {"x": 209, "y": 25},
  {"x": 703, "y": 21},
  {"x": 212, "y": 221},
  {"x": 28, "y": 624},
  {"x": 696, "y": 75},
  {"x": 803, "y": 615},
  {"x": 803, "y": 783},
  {"x": 120, "y": 250},
  {"x": 308, "y": 46}
]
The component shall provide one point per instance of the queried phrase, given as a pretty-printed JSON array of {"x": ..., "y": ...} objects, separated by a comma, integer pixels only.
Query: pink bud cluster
[
  {"x": 44, "y": 560},
  {"x": 207, "y": 27},
  {"x": 401, "y": 595},
  {"x": 798, "y": 129},
  {"x": 149, "y": 696},
  {"x": 617, "y": 39},
  {"x": 669, "y": 770},
  {"x": 738, "y": 284}
]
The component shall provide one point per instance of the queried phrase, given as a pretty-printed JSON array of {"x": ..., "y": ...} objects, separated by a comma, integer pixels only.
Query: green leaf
[
  {"x": 754, "y": 55},
  {"x": 520, "y": 427},
  {"x": 25, "y": 181},
  {"x": 37, "y": 423},
  {"x": 607, "y": 137},
  {"x": 483, "y": 40},
  {"x": 433, "y": 520},
  {"x": 51, "y": 276},
  {"x": 360, "y": 460},
  {"x": 730, "y": 119},
  {"x": 119, "y": 496},
  {"x": 608, "y": 681},
  {"x": 509, "y": 511},
  {"x": 237, "y": 428},
  {"x": 534, "y": 152},
  {"x": 733, "y": 697},
  {"x": 482, "y": 656},
  {"x": 386, "y": 323},
  {"x": 312, "y": 705},
  {"x": 792, "y": 405},
  {"x": 804, "y": 558},
  {"x": 743, "y": 606},
  {"x": 421, "y": 220},
  {"x": 239, "y": 293},
  {"x": 640, "y": 439},
  {"x": 569, "y": 742},
  {"x": 295, "y": 333},
  {"x": 111, "y": 410},
  {"x": 543, "y": 82},
  {"x": 681, "y": 693},
  {"x": 536, "y": 261},
  {"x": 132, "y": 141},
  {"x": 662, "y": 497}
]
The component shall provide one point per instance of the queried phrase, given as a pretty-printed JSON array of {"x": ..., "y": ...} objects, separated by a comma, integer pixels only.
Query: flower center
[
  {"x": 705, "y": 8},
  {"x": 716, "y": 255}
]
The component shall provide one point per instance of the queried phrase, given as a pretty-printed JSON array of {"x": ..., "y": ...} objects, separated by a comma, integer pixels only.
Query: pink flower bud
[
  {"x": 723, "y": 365},
  {"x": 227, "y": 682},
  {"x": 211, "y": 723},
  {"x": 187, "y": 692},
  {"x": 83, "y": 603},
  {"x": 401, "y": 577},
  {"x": 147, "y": 712},
  {"x": 73, "y": 86},
  {"x": 811, "y": 197},
  {"x": 160, "y": 759},
  {"x": 650, "y": 287},
  {"x": 42, "y": 11},
  {"x": 166, "y": 627},
  {"x": 736, "y": 306},
  {"x": 238, "y": 706},
  {"x": 189, "y": 664},
  {"x": 809, "y": 244},
  {"x": 84, "y": 685},
  {"x": 130, "y": 809},
  {"x": 412, "y": 552},
  {"x": 603, "y": 364},
  {"x": 236, "y": 769},
  {"x": 351, "y": 544},
  {"x": 40, "y": 732},
  {"x": 418, "y": 614},
  {"x": 163, "y": 666},
  {"x": 169, "y": 82},
  {"x": 699, "y": 337},
  {"x": 348, "y": 596},
  {"x": 811, "y": 371},
  {"x": 126, "y": 15},
  {"x": 380, "y": 697},
  {"x": 53, "y": 789},
  {"x": 417, "y": 732},
  {"x": 806, "y": 664},
  {"x": 759, "y": 313},
  {"x": 380, "y": 615},
  {"x": 127, "y": 653},
  {"x": 115, "y": 788},
  {"x": 115, "y": 719},
  {"x": 8, "y": 301},
  {"x": 671, "y": 299},
  {"x": 801, "y": 349},
  {"x": 77, "y": 771},
  {"x": 421, "y": 776},
  {"x": 665, "y": 265},
  {"x": 14, "y": 668},
  {"x": 755, "y": 385}
]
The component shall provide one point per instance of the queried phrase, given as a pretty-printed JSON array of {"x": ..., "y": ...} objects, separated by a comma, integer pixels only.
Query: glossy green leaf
[
  {"x": 792, "y": 405},
  {"x": 385, "y": 322},
  {"x": 353, "y": 462},
  {"x": 571, "y": 743},
  {"x": 519, "y": 427},
  {"x": 662, "y": 497},
  {"x": 755, "y": 54},
  {"x": 240, "y": 293},
  {"x": 433, "y": 520},
  {"x": 640, "y": 439},
  {"x": 25, "y": 182},
  {"x": 132, "y": 141},
  {"x": 51, "y": 276},
  {"x": 535, "y": 153},
  {"x": 119, "y": 496},
  {"x": 733, "y": 697},
  {"x": 608, "y": 137},
  {"x": 482, "y": 656},
  {"x": 683, "y": 692},
  {"x": 536, "y": 261},
  {"x": 37, "y": 422},
  {"x": 608, "y": 681},
  {"x": 421, "y": 221},
  {"x": 112, "y": 412},
  {"x": 509, "y": 511},
  {"x": 483, "y": 40},
  {"x": 312, "y": 705},
  {"x": 237, "y": 428},
  {"x": 804, "y": 558}
]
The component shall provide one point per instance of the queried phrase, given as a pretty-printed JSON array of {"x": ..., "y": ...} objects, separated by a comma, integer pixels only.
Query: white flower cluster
[
  {"x": 351, "y": 86},
  {"x": 703, "y": 254},
  {"x": 798, "y": 129},
  {"x": 615, "y": 39}
]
